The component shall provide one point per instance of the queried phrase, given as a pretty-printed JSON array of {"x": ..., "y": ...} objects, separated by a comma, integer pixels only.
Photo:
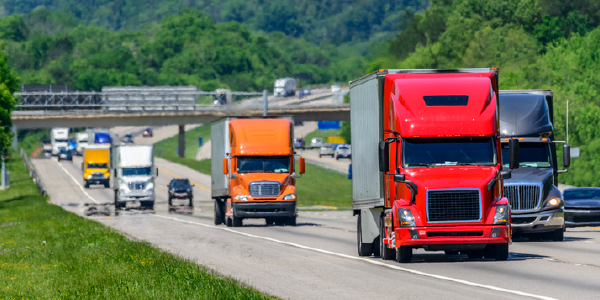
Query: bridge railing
[{"x": 115, "y": 100}]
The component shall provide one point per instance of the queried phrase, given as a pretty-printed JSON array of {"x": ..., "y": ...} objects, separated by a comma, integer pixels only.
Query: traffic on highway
[{"x": 454, "y": 186}]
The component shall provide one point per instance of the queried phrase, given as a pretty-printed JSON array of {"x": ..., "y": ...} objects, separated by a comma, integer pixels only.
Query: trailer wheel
[
  {"x": 219, "y": 214},
  {"x": 385, "y": 252},
  {"x": 364, "y": 249},
  {"x": 403, "y": 254}
]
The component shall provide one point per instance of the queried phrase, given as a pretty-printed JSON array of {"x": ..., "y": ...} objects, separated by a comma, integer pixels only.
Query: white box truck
[
  {"x": 133, "y": 175},
  {"x": 59, "y": 138},
  {"x": 82, "y": 142},
  {"x": 285, "y": 87}
]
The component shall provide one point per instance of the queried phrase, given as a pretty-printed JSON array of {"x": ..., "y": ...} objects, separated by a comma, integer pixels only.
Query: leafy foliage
[
  {"x": 9, "y": 83},
  {"x": 536, "y": 44}
]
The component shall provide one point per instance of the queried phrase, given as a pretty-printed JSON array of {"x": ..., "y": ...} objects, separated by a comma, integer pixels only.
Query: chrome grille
[
  {"x": 97, "y": 175},
  {"x": 137, "y": 185},
  {"x": 523, "y": 197},
  {"x": 453, "y": 205},
  {"x": 264, "y": 189}
]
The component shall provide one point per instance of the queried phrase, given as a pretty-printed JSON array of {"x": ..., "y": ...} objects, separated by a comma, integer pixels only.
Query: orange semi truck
[{"x": 253, "y": 170}]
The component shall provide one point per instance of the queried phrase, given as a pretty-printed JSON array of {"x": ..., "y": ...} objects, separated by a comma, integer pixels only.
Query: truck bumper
[
  {"x": 97, "y": 181},
  {"x": 126, "y": 198},
  {"x": 264, "y": 209},
  {"x": 582, "y": 217},
  {"x": 453, "y": 238},
  {"x": 538, "y": 222}
]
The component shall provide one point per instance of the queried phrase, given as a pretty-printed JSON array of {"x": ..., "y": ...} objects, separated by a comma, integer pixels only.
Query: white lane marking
[
  {"x": 77, "y": 183},
  {"x": 371, "y": 261}
]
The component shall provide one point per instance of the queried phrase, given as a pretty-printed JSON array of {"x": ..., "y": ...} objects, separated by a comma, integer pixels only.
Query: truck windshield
[
  {"x": 97, "y": 166},
  {"x": 581, "y": 194},
  {"x": 137, "y": 171},
  {"x": 463, "y": 151},
  {"x": 535, "y": 155},
  {"x": 60, "y": 140},
  {"x": 263, "y": 164}
]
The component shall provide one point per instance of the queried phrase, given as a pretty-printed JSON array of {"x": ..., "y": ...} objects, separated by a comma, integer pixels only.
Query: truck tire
[
  {"x": 501, "y": 251},
  {"x": 290, "y": 221},
  {"x": 86, "y": 185},
  {"x": 219, "y": 213},
  {"x": 147, "y": 204},
  {"x": 475, "y": 254},
  {"x": 107, "y": 184},
  {"x": 191, "y": 203},
  {"x": 403, "y": 254},
  {"x": 557, "y": 235},
  {"x": 385, "y": 252},
  {"x": 118, "y": 205},
  {"x": 237, "y": 221},
  {"x": 364, "y": 249},
  {"x": 170, "y": 201}
]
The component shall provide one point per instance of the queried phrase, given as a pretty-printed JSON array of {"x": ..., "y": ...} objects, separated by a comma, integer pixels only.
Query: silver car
[
  {"x": 316, "y": 142},
  {"x": 343, "y": 151},
  {"x": 326, "y": 149}
]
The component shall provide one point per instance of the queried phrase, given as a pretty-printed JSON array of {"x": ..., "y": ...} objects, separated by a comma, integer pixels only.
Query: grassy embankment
[
  {"x": 47, "y": 253},
  {"x": 319, "y": 186},
  {"x": 322, "y": 134},
  {"x": 169, "y": 149}
]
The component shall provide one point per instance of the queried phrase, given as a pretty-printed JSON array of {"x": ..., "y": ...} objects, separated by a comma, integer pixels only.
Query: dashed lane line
[
  {"x": 77, "y": 183},
  {"x": 175, "y": 175},
  {"x": 370, "y": 261}
]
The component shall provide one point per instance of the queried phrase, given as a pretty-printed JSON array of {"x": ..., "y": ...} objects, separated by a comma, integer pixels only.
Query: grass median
[
  {"x": 167, "y": 149},
  {"x": 46, "y": 252}
]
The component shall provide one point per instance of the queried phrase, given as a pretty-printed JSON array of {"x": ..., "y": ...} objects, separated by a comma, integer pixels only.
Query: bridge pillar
[
  {"x": 14, "y": 141},
  {"x": 181, "y": 141}
]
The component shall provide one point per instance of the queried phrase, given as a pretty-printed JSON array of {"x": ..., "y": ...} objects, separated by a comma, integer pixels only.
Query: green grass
[
  {"x": 32, "y": 139},
  {"x": 321, "y": 186},
  {"x": 169, "y": 146},
  {"x": 322, "y": 134},
  {"x": 48, "y": 253}
]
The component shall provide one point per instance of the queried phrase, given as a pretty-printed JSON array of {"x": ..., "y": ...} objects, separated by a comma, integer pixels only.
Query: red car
[{"x": 147, "y": 132}]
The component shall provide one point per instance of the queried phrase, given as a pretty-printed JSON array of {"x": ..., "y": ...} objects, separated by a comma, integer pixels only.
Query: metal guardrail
[
  {"x": 33, "y": 173},
  {"x": 159, "y": 100}
]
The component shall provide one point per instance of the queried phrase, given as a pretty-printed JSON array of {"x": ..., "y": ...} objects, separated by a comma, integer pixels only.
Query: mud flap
[{"x": 368, "y": 231}]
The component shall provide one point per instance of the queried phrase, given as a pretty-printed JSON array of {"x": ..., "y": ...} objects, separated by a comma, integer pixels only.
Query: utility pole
[
  {"x": 265, "y": 103},
  {"x": 567, "y": 121},
  {"x": 5, "y": 180}
]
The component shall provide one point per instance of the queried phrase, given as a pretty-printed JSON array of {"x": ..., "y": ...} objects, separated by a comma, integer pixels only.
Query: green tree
[{"x": 9, "y": 83}]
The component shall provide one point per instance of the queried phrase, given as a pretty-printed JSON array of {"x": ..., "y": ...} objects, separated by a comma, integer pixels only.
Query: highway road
[{"x": 318, "y": 259}]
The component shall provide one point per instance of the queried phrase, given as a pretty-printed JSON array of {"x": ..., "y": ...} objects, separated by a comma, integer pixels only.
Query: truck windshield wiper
[
  {"x": 419, "y": 164},
  {"x": 475, "y": 164}
]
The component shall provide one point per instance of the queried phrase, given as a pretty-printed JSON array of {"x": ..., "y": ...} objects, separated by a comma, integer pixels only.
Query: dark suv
[{"x": 180, "y": 189}]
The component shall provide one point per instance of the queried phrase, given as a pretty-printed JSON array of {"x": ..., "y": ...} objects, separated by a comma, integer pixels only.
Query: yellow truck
[{"x": 96, "y": 162}]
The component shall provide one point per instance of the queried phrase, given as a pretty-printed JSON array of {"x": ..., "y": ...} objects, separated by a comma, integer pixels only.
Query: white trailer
[
  {"x": 285, "y": 87},
  {"x": 59, "y": 138},
  {"x": 82, "y": 142},
  {"x": 133, "y": 175}
]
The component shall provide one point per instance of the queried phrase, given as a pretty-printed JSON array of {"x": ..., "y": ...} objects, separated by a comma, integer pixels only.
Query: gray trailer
[
  {"x": 219, "y": 135},
  {"x": 536, "y": 203}
]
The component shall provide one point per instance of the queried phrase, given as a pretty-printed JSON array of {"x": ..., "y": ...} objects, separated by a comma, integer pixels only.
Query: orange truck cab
[{"x": 253, "y": 170}]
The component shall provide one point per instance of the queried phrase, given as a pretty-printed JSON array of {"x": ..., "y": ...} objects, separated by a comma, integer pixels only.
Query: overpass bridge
[{"x": 98, "y": 109}]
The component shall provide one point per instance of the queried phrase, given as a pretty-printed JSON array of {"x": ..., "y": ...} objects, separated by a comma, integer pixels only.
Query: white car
[
  {"x": 336, "y": 88},
  {"x": 343, "y": 151},
  {"x": 316, "y": 142},
  {"x": 326, "y": 149}
]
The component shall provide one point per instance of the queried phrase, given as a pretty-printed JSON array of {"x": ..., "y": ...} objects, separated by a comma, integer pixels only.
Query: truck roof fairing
[
  {"x": 523, "y": 115},
  {"x": 443, "y": 104},
  {"x": 264, "y": 137}
]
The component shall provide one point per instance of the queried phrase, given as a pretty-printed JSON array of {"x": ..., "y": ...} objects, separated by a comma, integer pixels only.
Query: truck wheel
[
  {"x": 280, "y": 221},
  {"x": 87, "y": 184},
  {"x": 106, "y": 185},
  {"x": 557, "y": 235},
  {"x": 170, "y": 201},
  {"x": 320, "y": 155},
  {"x": 475, "y": 254},
  {"x": 147, "y": 204},
  {"x": 403, "y": 254},
  {"x": 219, "y": 214},
  {"x": 118, "y": 204},
  {"x": 237, "y": 222},
  {"x": 290, "y": 221},
  {"x": 364, "y": 249},
  {"x": 337, "y": 158},
  {"x": 449, "y": 252},
  {"x": 385, "y": 252},
  {"x": 191, "y": 202},
  {"x": 228, "y": 222},
  {"x": 500, "y": 251}
]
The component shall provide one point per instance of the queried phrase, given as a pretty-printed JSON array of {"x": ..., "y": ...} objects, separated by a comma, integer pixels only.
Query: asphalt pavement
[{"x": 318, "y": 259}]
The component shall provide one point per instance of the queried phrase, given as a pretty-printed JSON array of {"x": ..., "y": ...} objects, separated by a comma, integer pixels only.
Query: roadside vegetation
[
  {"x": 47, "y": 252},
  {"x": 322, "y": 134},
  {"x": 167, "y": 149}
]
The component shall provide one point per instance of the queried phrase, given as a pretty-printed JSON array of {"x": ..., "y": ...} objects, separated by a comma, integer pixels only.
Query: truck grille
[
  {"x": 453, "y": 206},
  {"x": 523, "y": 197},
  {"x": 137, "y": 185},
  {"x": 454, "y": 233},
  {"x": 97, "y": 175},
  {"x": 264, "y": 189}
]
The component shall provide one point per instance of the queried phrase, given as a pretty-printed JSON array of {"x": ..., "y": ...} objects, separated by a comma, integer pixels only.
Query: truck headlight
[
  {"x": 89, "y": 177},
  {"x": 406, "y": 218},
  {"x": 240, "y": 197},
  {"x": 501, "y": 216},
  {"x": 289, "y": 197},
  {"x": 554, "y": 202}
]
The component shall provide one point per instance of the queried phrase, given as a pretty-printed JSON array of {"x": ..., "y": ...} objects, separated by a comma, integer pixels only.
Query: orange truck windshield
[{"x": 268, "y": 164}]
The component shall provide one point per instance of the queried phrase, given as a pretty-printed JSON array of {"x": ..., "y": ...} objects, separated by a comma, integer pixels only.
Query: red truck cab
[{"x": 439, "y": 164}]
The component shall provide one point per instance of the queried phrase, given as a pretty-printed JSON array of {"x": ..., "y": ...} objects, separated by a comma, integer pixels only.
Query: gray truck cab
[{"x": 536, "y": 203}]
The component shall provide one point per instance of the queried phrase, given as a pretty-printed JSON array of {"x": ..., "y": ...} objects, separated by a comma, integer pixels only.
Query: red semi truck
[{"x": 427, "y": 164}]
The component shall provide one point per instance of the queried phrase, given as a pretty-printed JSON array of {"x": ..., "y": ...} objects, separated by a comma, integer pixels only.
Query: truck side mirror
[
  {"x": 513, "y": 154},
  {"x": 384, "y": 157},
  {"x": 505, "y": 174},
  {"x": 225, "y": 171},
  {"x": 301, "y": 165},
  {"x": 566, "y": 155}
]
